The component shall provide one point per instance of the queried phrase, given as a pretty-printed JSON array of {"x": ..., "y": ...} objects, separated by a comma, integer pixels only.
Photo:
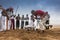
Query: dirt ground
[{"x": 52, "y": 34}]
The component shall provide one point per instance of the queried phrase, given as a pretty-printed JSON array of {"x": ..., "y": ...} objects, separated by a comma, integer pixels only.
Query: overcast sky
[{"x": 25, "y": 7}]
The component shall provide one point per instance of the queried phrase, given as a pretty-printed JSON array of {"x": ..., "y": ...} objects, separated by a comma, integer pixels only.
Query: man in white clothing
[
  {"x": 46, "y": 19},
  {"x": 4, "y": 19}
]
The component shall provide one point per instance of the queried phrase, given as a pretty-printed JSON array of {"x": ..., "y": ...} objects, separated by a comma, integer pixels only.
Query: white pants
[
  {"x": 9, "y": 24},
  {"x": 3, "y": 21},
  {"x": 31, "y": 23},
  {"x": 39, "y": 25},
  {"x": 0, "y": 24}
]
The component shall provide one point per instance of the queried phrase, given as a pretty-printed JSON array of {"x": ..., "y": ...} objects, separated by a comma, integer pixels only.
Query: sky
[{"x": 24, "y": 7}]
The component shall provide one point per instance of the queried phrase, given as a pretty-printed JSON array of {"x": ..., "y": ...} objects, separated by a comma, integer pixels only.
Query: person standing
[
  {"x": 38, "y": 19},
  {"x": 33, "y": 17},
  {"x": 22, "y": 22},
  {"x": 0, "y": 18},
  {"x": 32, "y": 20},
  {"x": 4, "y": 20},
  {"x": 47, "y": 16},
  {"x": 18, "y": 21},
  {"x": 12, "y": 22},
  {"x": 9, "y": 13},
  {"x": 27, "y": 18}
]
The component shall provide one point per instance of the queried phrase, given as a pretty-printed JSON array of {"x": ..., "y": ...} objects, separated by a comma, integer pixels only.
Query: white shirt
[
  {"x": 12, "y": 17},
  {"x": 38, "y": 17}
]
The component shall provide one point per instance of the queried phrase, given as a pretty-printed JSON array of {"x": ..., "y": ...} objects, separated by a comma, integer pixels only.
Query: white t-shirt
[
  {"x": 38, "y": 17},
  {"x": 9, "y": 13},
  {"x": 12, "y": 17}
]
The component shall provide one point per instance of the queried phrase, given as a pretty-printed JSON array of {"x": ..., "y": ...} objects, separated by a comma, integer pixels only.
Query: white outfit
[
  {"x": 3, "y": 21},
  {"x": 0, "y": 21},
  {"x": 45, "y": 19},
  {"x": 0, "y": 24},
  {"x": 9, "y": 13},
  {"x": 9, "y": 24},
  {"x": 31, "y": 24},
  {"x": 39, "y": 24},
  {"x": 42, "y": 27},
  {"x": 14, "y": 21},
  {"x": 38, "y": 20}
]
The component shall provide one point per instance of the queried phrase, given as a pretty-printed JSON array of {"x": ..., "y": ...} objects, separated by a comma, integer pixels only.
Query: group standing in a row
[{"x": 10, "y": 21}]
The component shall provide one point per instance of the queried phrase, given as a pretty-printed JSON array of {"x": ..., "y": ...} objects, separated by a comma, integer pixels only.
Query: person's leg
[
  {"x": 3, "y": 23},
  {"x": 0, "y": 24},
  {"x": 26, "y": 23},
  {"x": 42, "y": 27},
  {"x": 13, "y": 24},
  {"x": 22, "y": 24},
  {"x": 17, "y": 24},
  {"x": 9, "y": 24},
  {"x": 6, "y": 24},
  {"x": 47, "y": 24}
]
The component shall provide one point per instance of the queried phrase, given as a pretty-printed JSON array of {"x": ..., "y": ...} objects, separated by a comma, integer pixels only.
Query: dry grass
[{"x": 53, "y": 34}]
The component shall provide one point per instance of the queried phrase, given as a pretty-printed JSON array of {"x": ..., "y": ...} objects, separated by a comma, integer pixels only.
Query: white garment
[
  {"x": 3, "y": 21},
  {"x": 45, "y": 19},
  {"x": 31, "y": 24},
  {"x": 38, "y": 17},
  {"x": 9, "y": 24},
  {"x": 12, "y": 17},
  {"x": 9, "y": 13},
  {"x": 40, "y": 26},
  {"x": 0, "y": 24}
]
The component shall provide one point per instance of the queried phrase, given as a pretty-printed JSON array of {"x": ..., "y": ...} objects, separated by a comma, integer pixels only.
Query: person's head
[
  {"x": 26, "y": 15},
  {"x": 18, "y": 14},
  {"x": 4, "y": 12},
  {"x": 46, "y": 13},
  {"x": 22, "y": 15},
  {"x": 1, "y": 7},
  {"x": 33, "y": 11}
]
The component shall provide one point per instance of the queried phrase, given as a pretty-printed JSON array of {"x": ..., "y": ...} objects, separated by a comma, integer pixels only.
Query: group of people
[
  {"x": 40, "y": 20},
  {"x": 10, "y": 21}
]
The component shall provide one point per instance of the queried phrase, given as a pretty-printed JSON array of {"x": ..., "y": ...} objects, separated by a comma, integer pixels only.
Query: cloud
[{"x": 25, "y": 7}]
